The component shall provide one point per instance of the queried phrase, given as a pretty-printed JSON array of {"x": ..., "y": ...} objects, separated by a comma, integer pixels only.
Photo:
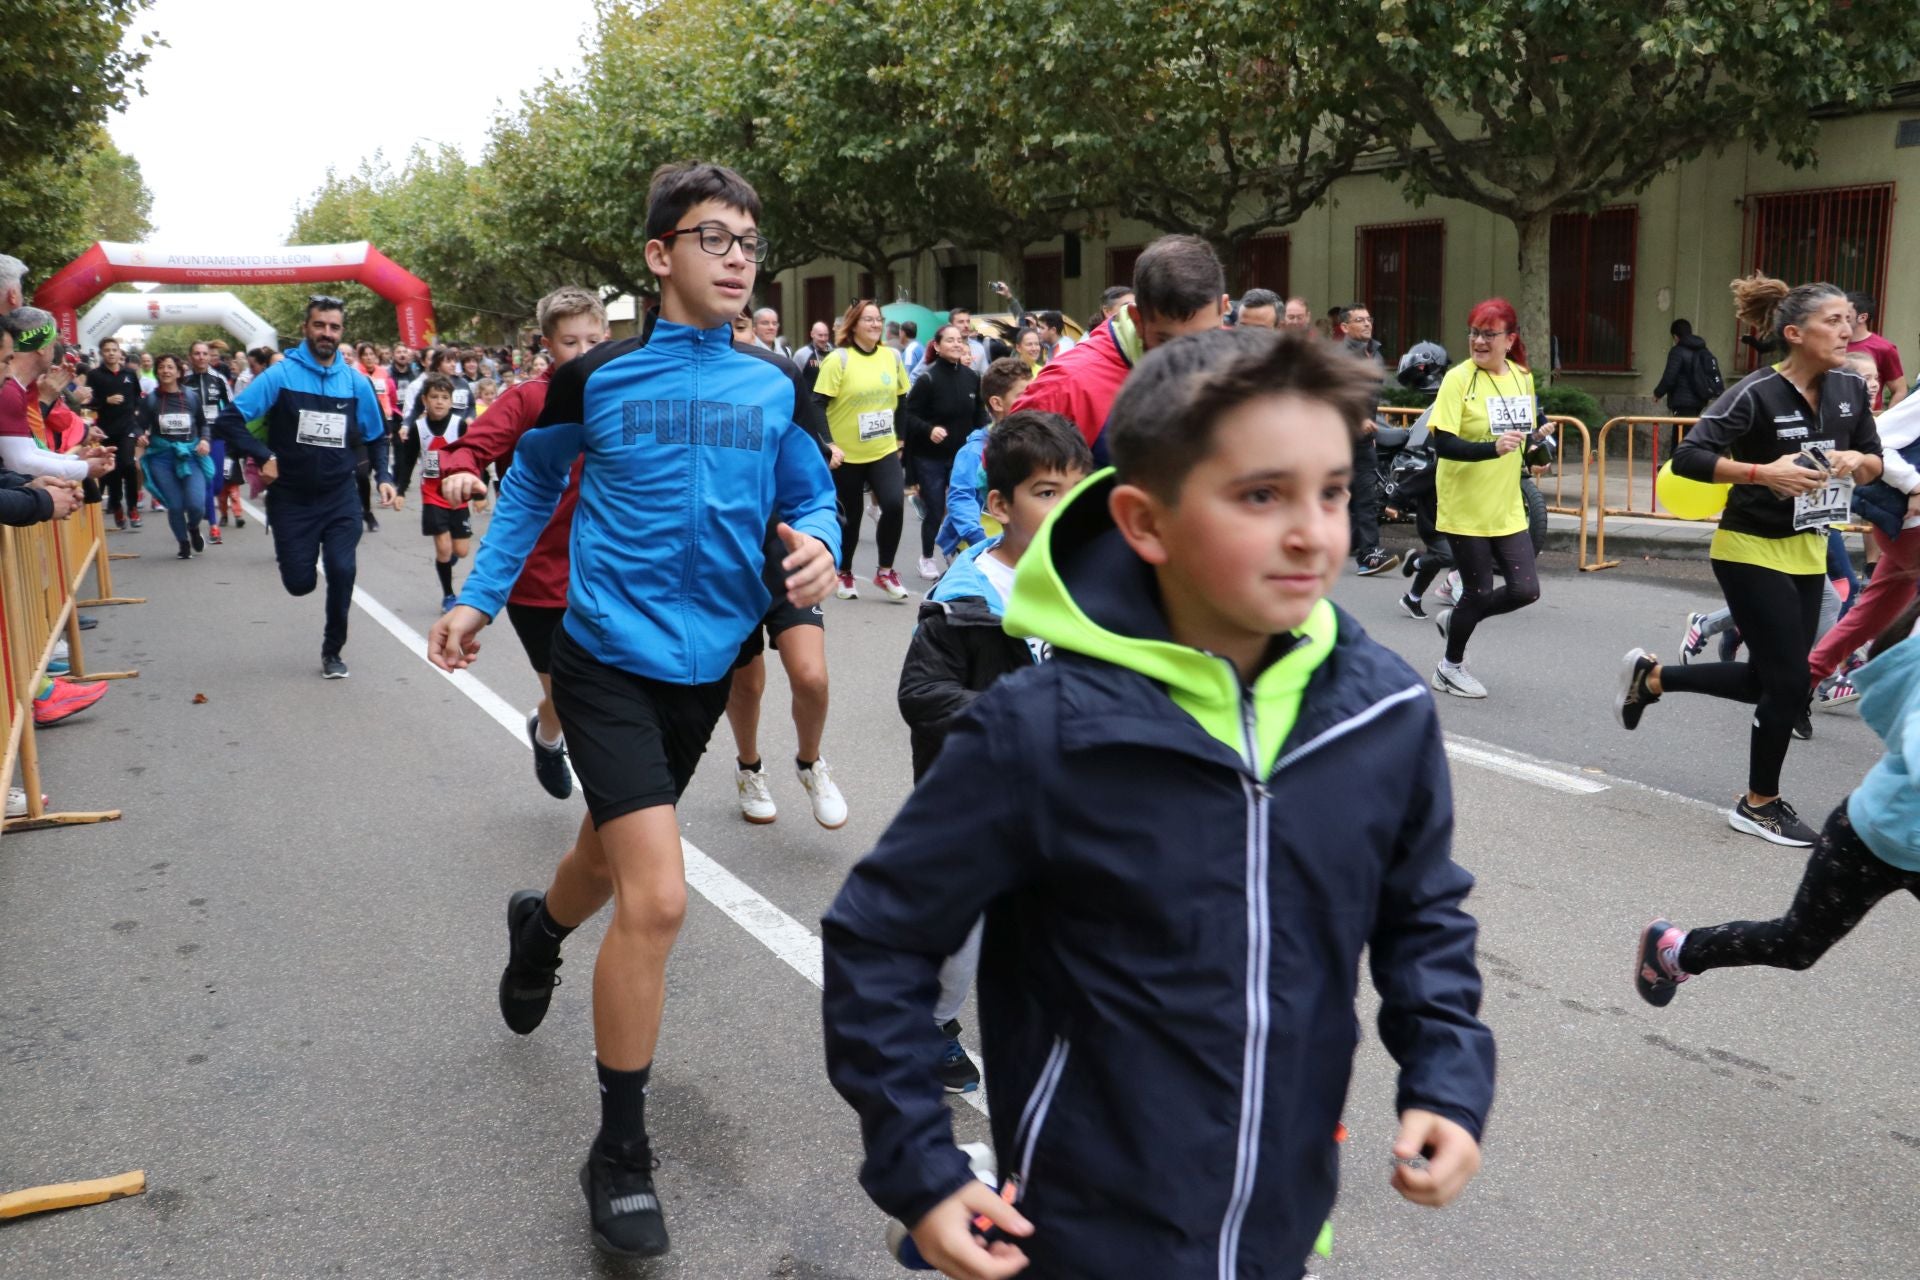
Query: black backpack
[{"x": 1705, "y": 375}]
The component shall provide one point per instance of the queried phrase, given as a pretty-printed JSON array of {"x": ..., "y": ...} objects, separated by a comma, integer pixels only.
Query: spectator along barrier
[{"x": 42, "y": 568}]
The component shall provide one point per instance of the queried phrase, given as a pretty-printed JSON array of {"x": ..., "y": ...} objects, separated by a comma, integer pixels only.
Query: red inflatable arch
[{"x": 108, "y": 263}]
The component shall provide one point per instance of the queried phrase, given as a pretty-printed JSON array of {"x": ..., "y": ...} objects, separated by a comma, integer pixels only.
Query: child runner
[
  {"x": 966, "y": 524},
  {"x": 446, "y": 522},
  {"x": 1869, "y": 849},
  {"x": 688, "y": 447},
  {"x": 959, "y": 648},
  {"x": 1485, "y": 420},
  {"x": 572, "y": 321},
  {"x": 1791, "y": 438},
  {"x": 1183, "y": 829}
]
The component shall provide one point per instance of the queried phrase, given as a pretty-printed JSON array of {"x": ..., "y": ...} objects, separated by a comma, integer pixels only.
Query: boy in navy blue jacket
[
  {"x": 688, "y": 447},
  {"x": 1183, "y": 829}
]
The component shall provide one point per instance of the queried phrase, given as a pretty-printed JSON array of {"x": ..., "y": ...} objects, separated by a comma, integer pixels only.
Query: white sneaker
[
  {"x": 17, "y": 802},
  {"x": 829, "y": 806},
  {"x": 1449, "y": 593},
  {"x": 889, "y": 581},
  {"x": 848, "y": 589},
  {"x": 1457, "y": 681},
  {"x": 756, "y": 798},
  {"x": 929, "y": 569},
  {"x": 60, "y": 651}
]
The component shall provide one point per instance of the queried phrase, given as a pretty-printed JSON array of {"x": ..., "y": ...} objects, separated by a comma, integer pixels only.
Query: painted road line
[
  {"x": 1483, "y": 755},
  {"x": 778, "y": 932}
]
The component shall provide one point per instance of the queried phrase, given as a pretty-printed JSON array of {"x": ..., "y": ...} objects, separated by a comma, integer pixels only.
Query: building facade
[{"x": 1620, "y": 277}]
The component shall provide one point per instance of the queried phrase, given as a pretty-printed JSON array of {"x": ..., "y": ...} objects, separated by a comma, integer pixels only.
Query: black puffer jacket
[{"x": 948, "y": 395}]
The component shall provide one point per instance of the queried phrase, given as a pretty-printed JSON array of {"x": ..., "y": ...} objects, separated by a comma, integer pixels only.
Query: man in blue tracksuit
[
  {"x": 314, "y": 410},
  {"x": 688, "y": 446}
]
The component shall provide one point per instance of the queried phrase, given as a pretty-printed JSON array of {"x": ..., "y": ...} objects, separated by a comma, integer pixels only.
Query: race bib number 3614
[{"x": 321, "y": 429}]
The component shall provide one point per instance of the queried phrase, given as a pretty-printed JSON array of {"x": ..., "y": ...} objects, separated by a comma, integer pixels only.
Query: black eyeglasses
[{"x": 719, "y": 241}]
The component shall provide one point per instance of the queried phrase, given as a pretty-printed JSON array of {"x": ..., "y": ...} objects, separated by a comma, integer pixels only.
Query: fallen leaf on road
[{"x": 199, "y": 698}]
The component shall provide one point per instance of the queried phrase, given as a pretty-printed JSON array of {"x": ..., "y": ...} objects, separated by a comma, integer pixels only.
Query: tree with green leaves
[
  {"x": 65, "y": 66},
  {"x": 1561, "y": 106}
]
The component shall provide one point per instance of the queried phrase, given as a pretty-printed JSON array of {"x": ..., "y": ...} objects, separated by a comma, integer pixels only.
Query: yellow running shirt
[
  {"x": 866, "y": 389},
  {"x": 1482, "y": 499}
]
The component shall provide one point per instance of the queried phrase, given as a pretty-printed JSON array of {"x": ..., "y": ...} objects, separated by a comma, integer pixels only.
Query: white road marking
[
  {"x": 1496, "y": 760},
  {"x": 773, "y": 928}
]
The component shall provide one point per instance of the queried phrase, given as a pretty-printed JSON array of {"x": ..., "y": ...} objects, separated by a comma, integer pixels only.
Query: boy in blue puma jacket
[{"x": 1182, "y": 832}]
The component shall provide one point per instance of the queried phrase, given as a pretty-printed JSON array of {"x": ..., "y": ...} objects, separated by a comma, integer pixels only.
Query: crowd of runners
[{"x": 1123, "y": 674}]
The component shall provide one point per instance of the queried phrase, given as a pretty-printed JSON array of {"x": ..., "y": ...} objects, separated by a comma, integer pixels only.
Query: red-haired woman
[{"x": 1485, "y": 419}]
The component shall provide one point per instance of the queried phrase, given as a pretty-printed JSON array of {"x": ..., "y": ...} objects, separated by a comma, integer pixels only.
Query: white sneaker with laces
[
  {"x": 756, "y": 797},
  {"x": 829, "y": 806},
  {"x": 889, "y": 581},
  {"x": 1458, "y": 681},
  {"x": 929, "y": 569}
]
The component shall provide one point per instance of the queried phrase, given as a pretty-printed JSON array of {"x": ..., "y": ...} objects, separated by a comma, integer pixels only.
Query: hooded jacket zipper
[
  {"x": 693, "y": 503},
  {"x": 1253, "y": 1068}
]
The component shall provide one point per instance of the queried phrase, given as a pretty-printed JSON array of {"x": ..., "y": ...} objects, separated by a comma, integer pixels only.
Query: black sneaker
[
  {"x": 1411, "y": 606},
  {"x": 1410, "y": 566},
  {"x": 532, "y": 972},
  {"x": 1803, "y": 727},
  {"x": 549, "y": 763},
  {"x": 186, "y": 550},
  {"x": 957, "y": 1072},
  {"x": 373, "y": 525},
  {"x": 332, "y": 667},
  {"x": 1377, "y": 561},
  {"x": 119, "y": 518},
  {"x": 1635, "y": 697},
  {"x": 1774, "y": 821},
  {"x": 193, "y": 536},
  {"x": 618, "y": 1182},
  {"x": 1656, "y": 965},
  {"x": 239, "y": 521}
]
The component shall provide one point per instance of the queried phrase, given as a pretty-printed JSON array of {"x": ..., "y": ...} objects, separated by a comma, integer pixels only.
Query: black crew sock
[
  {"x": 750, "y": 768},
  {"x": 804, "y": 765},
  {"x": 546, "y": 929},
  {"x": 445, "y": 569},
  {"x": 623, "y": 1105}
]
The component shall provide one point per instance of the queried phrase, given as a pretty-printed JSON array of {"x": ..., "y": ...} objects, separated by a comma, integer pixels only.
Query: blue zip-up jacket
[
  {"x": 1173, "y": 929},
  {"x": 1885, "y": 807},
  {"x": 313, "y": 418},
  {"x": 690, "y": 446},
  {"x": 962, "y": 521}
]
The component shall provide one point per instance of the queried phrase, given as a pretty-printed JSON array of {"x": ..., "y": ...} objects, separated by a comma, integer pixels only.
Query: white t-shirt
[{"x": 999, "y": 576}]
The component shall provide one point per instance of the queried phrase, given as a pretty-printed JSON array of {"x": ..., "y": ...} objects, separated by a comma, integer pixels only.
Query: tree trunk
[
  {"x": 1536, "y": 272},
  {"x": 1228, "y": 249},
  {"x": 1013, "y": 270},
  {"x": 882, "y": 272}
]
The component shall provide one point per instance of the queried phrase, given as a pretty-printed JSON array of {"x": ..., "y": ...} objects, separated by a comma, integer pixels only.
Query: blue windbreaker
[
  {"x": 690, "y": 446},
  {"x": 964, "y": 491},
  {"x": 313, "y": 418},
  {"x": 1885, "y": 807}
]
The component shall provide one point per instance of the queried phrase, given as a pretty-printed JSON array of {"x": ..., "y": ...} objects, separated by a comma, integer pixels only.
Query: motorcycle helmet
[{"x": 1422, "y": 368}]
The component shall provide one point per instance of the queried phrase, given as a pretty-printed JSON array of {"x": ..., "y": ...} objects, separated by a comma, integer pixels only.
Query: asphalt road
[{"x": 271, "y": 985}]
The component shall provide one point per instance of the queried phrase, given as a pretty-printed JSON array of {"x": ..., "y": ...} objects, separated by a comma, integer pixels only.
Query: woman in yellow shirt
[
  {"x": 1485, "y": 418},
  {"x": 862, "y": 386}
]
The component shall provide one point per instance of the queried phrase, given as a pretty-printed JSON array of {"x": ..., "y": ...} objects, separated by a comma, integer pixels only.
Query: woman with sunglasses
[
  {"x": 179, "y": 452},
  {"x": 1486, "y": 418},
  {"x": 862, "y": 386}
]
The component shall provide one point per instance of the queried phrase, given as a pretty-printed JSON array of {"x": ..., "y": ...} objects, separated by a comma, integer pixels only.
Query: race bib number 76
[{"x": 321, "y": 429}]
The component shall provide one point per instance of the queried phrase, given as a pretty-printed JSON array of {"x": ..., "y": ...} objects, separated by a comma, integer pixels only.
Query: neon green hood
[
  {"x": 1079, "y": 569},
  {"x": 1127, "y": 337}
]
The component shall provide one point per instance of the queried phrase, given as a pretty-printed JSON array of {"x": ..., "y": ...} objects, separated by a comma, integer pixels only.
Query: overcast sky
[{"x": 251, "y": 104}]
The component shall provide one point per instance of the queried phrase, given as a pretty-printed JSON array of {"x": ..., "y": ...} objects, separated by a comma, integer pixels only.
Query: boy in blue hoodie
[
  {"x": 1869, "y": 848},
  {"x": 1183, "y": 828},
  {"x": 688, "y": 447},
  {"x": 1032, "y": 460},
  {"x": 965, "y": 522}
]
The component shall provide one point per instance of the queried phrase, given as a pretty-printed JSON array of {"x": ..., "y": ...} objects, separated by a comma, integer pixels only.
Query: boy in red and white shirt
[{"x": 445, "y": 521}]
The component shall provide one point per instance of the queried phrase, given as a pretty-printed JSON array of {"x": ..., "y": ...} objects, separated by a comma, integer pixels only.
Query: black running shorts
[
  {"x": 535, "y": 625},
  {"x": 782, "y": 614},
  {"x": 453, "y": 520},
  {"x": 634, "y": 742}
]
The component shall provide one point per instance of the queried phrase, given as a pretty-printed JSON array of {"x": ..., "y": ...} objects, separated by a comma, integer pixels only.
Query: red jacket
[
  {"x": 1083, "y": 384},
  {"x": 490, "y": 438}
]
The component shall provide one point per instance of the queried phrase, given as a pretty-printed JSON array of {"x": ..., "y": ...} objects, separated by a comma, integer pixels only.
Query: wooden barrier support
[{"x": 41, "y": 569}]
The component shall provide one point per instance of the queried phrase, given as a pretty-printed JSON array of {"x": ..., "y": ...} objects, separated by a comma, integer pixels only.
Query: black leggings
[
  {"x": 1437, "y": 558},
  {"x": 931, "y": 475},
  {"x": 1842, "y": 882},
  {"x": 889, "y": 490},
  {"x": 1479, "y": 598},
  {"x": 1777, "y": 614}
]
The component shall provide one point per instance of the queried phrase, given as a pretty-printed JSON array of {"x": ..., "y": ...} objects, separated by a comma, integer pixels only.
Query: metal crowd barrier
[
  {"x": 42, "y": 568},
  {"x": 1401, "y": 416},
  {"x": 1632, "y": 507}
]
